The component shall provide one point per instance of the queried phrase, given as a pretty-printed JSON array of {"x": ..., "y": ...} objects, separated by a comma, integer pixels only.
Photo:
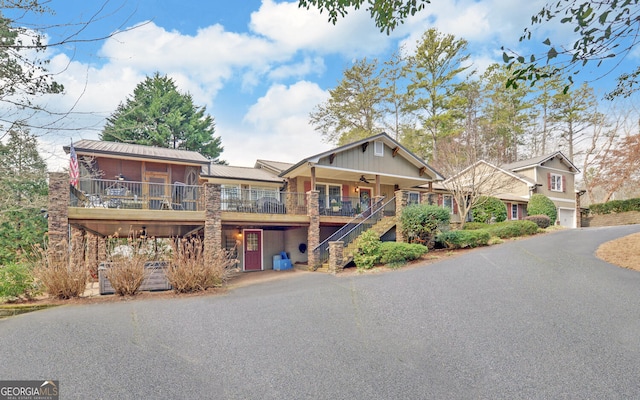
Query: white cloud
[
  {"x": 276, "y": 127},
  {"x": 296, "y": 28}
]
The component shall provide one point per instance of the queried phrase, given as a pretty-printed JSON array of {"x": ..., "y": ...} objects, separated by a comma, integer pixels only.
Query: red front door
[{"x": 252, "y": 250}]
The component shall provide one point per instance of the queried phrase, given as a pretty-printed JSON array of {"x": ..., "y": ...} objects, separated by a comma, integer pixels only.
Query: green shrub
[
  {"x": 421, "y": 222},
  {"x": 461, "y": 239},
  {"x": 541, "y": 220},
  {"x": 368, "y": 253},
  {"x": 509, "y": 229},
  {"x": 394, "y": 252},
  {"x": 616, "y": 206},
  {"x": 472, "y": 226},
  {"x": 489, "y": 209},
  {"x": 541, "y": 204},
  {"x": 16, "y": 281}
]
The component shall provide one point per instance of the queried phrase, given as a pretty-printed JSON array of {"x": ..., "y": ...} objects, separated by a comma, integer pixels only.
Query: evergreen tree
[
  {"x": 158, "y": 115},
  {"x": 434, "y": 68},
  {"x": 574, "y": 113},
  {"x": 506, "y": 116},
  {"x": 23, "y": 182},
  {"x": 354, "y": 108}
]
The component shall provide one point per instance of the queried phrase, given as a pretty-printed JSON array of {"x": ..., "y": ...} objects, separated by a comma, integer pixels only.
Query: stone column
[
  {"x": 313, "y": 236},
  {"x": 336, "y": 256},
  {"x": 58, "y": 210},
  {"x": 212, "y": 222},
  {"x": 402, "y": 199},
  {"x": 291, "y": 201}
]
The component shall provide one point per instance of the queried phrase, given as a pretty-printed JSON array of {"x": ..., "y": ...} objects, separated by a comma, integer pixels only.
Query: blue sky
[{"x": 259, "y": 66}]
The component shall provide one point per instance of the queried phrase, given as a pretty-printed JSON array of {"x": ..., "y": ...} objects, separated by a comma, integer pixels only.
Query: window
[
  {"x": 378, "y": 148},
  {"x": 555, "y": 183},
  {"x": 447, "y": 202},
  {"x": 514, "y": 211},
  {"x": 329, "y": 194},
  {"x": 258, "y": 192},
  {"x": 414, "y": 198},
  {"x": 230, "y": 196}
]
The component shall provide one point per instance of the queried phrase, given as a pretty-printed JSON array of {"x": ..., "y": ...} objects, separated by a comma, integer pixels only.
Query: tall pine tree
[{"x": 158, "y": 115}]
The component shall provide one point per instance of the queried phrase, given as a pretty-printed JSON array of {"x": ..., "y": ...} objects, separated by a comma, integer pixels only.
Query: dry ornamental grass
[
  {"x": 624, "y": 252},
  {"x": 62, "y": 274},
  {"x": 189, "y": 272}
]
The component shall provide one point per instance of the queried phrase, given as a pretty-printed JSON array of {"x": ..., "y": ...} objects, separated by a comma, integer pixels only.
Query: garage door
[{"x": 567, "y": 217}]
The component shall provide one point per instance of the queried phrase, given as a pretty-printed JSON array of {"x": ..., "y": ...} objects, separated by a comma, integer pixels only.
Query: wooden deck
[{"x": 173, "y": 223}]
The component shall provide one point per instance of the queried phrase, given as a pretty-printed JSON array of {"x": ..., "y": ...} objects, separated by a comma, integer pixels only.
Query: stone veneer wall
[
  {"x": 402, "y": 198},
  {"x": 625, "y": 218},
  {"x": 212, "y": 222},
  {"x": 336, "y": 256},
  {"x": 313, "y": 236},
  {"x": 58, "y": 221},
  {"x": 291, "y": 201}
]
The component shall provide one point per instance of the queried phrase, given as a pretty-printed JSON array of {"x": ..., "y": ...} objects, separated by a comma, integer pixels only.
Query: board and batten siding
[{"x": 356, "y": 159}]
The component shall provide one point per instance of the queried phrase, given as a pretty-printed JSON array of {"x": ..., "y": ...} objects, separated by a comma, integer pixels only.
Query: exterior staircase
[{"x": 381, "y": 227}]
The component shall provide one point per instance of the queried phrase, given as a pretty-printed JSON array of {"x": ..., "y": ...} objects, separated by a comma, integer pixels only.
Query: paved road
[{"x": 540, "y": 318}]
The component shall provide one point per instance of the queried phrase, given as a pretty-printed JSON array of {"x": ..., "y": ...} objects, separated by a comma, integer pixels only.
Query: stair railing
[{"x": 352, "y": 229}]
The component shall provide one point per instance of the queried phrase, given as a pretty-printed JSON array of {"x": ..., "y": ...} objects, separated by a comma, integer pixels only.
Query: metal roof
[
  {"x": 530, "y": 162},
  {"x": 277, "y": 166},
  {"x": 241, "y": 173},
  {"x": 128, "y": 150}
]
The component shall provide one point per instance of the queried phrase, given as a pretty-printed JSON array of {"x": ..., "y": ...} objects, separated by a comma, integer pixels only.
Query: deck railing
[
  {"x": 262, "y": 201},
  {"x": 103, "y": 193}
]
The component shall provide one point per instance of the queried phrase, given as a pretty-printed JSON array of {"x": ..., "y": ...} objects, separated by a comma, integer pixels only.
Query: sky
[{"x": 258, "y": 66}]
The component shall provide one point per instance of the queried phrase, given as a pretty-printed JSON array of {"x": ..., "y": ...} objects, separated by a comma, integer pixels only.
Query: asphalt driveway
[{"x": 539, "y": 318}]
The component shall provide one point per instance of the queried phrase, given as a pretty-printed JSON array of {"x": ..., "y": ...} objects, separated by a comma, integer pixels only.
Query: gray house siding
[{"x": 359, "y": 160}]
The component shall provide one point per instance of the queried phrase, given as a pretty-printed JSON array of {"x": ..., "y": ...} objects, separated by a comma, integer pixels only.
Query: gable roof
[
  {"x": 408, "y": 155},
  {"x": 275, "y": 166},
  {"x": 505, "y": 171},
  {"x": 136, "y": 151},
  {"x": 538, "y": 161},
  {"x": 240, "y": 173}
]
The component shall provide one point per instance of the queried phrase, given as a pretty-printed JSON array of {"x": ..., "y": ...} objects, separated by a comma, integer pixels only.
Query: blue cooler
[{"x": 285, "y": 263}]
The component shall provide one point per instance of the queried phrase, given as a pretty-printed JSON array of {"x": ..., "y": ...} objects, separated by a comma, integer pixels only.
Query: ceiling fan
[{"x": 363, "y": 179}]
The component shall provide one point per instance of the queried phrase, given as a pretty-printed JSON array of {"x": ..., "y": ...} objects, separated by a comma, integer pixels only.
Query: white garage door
[{"x": 566, "y": 217}]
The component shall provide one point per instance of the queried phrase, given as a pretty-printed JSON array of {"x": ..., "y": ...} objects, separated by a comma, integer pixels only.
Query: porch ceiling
[
  {"x": 107, "y": 222},
  {"x": 353, "y": 177}
]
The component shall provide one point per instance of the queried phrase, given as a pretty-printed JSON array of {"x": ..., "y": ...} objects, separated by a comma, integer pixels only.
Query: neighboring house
[
  {"x": 261, "y": 211},
  {"x": 552, "y": 175}
]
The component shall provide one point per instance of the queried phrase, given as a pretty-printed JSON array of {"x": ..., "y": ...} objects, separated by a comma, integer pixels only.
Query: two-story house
[
  {"x": 552, "y": 175},
  {"x": 261, "y": 211}
]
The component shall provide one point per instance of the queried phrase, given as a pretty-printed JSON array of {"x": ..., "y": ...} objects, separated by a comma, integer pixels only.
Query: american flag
[{"x": 74, "y": 169}]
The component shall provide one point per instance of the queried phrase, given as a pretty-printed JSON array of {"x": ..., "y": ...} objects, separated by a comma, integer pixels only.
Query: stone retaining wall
[{"x": 615, "y": 219}]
